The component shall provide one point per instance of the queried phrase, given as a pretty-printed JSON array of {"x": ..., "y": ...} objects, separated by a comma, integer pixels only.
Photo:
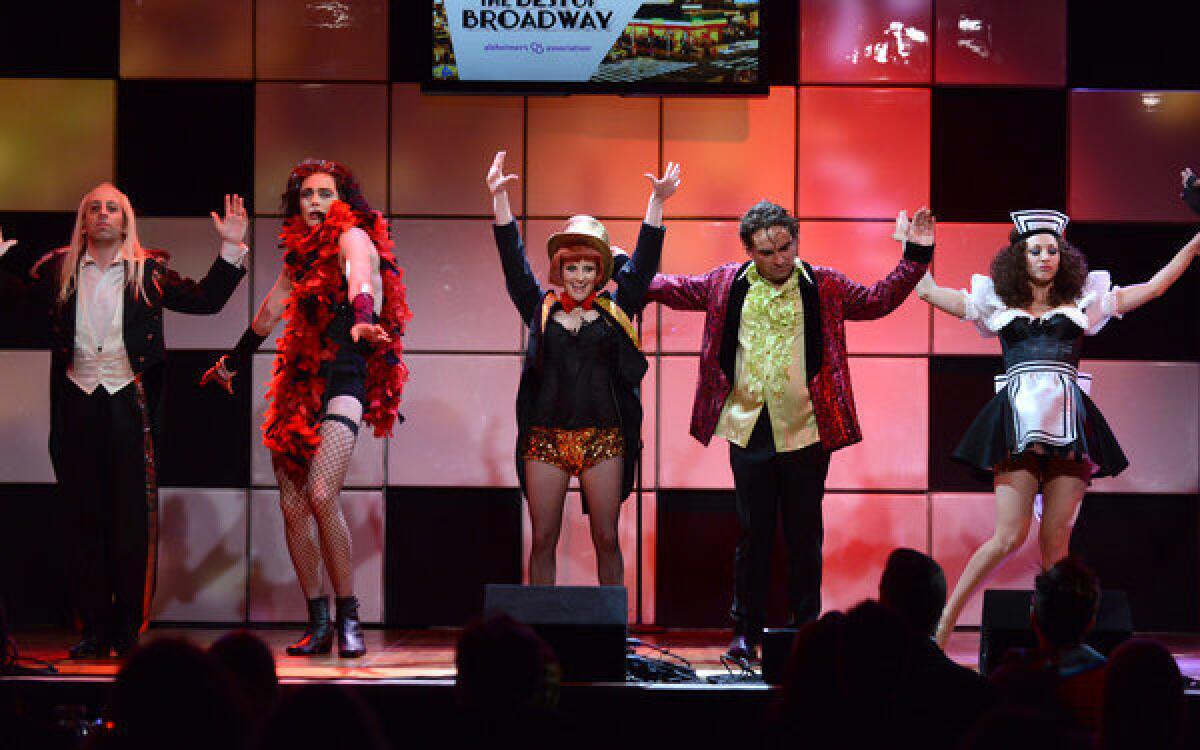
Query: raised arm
[
  {"x": 634, "y": 277},
  {"x": 872, "y": 302},
  {"x": 920, "y": 230},
  {"x": 681, "y": 291},
  {"x": 661, "y": 189},
  {"x": 523, "y": 287},
  {"x": 498, "y": 183},
  {"x": 1132, "y": 297},
  {"x": 209, "y": 295}
]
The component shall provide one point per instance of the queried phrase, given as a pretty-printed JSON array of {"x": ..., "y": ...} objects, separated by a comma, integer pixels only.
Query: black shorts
[{"x": 346, "y": 375}]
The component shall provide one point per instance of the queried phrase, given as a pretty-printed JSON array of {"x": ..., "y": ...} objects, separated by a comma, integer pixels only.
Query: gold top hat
[{"x": 585, "y": 230}]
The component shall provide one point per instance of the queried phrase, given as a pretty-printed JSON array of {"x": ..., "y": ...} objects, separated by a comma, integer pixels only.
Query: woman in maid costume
[{"x": 1040, "y": 433}]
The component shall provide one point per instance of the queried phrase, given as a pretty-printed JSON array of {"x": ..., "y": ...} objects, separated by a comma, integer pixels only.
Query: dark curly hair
[
  {"x": 1010, "y": 273},
  {"x": 1065, "y": 599},
  {"x": 348, "y": 188},
  {"x": 764, "y": 215}
]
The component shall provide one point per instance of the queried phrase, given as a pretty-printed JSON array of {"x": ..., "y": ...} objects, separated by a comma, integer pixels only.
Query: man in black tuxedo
[{"x": 105, "y": 294}]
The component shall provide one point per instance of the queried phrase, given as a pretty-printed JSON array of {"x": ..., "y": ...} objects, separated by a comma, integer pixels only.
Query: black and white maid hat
[{"x": 1039, "y": 220}]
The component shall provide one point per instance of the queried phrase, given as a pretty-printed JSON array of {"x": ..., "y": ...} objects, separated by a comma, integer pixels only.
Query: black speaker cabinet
[
  {"x": 776, "y": 648},
  {"x": 585, "y": 625},
  {"x": 1006, "y": 624}
]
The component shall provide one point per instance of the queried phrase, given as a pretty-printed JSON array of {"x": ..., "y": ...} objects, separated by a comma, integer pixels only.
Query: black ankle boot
[
  {"x": 318, "y": 636},
  {"x": 349, "y": 630}
]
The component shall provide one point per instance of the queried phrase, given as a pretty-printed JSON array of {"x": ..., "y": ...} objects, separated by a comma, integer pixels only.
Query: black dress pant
[
  {"x": 771, "y": 485},
  {"x": 101, "y": 470}
]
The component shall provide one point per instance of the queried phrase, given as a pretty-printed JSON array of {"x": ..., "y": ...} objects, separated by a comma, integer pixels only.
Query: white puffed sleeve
[
  {"x": 1098, "y": 301},
  {"x": 983, "y": 304}
]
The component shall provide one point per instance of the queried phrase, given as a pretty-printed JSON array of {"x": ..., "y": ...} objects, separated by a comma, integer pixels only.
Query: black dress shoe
[
  {"x": 742, "y": 648},
  {"x": 89, "y": 647}
]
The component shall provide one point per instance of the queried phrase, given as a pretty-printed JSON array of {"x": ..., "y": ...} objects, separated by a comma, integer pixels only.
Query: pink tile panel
[
  {"x": 892, "y": 398},
  {"x": 455, "y": 287},
  {"x": 202, "y": 562},
  {"x": 343, "y": 122},
  {"x": 732, "y": 152},
  {"x": 963, "y": 250},
  {"x": 461, "y": 427},
  {"x": 442, "y": 147},
  {"x": 1154, "y": 410},
  {"x": 860, "y": 532},
  {"x": 587, "y": 155}
]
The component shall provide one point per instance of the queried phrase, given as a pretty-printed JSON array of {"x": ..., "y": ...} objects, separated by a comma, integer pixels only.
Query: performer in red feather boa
[
  {"x": 339, "y": 364},
  {"x": 313, "y": 262}
]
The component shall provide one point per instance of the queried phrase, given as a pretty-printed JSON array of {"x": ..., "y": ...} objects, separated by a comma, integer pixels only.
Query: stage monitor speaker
[
  {"x": 1006, "y": 624},
  {"x": 776, "y": 648},
  {"x": 585, "y": 625}
]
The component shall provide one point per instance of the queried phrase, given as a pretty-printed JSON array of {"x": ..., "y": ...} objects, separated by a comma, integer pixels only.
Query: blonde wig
[{"x": 131, "y": 252}]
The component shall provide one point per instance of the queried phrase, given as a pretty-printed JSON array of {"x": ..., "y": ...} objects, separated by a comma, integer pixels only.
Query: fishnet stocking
[
  {"x": 325, "y": 478},
  {"x": 300, "y": 530},
  {"x": 314, "y": 524}
]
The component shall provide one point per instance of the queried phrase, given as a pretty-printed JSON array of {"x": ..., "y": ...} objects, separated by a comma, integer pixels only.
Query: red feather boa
[{"x": 312, "y": 261}]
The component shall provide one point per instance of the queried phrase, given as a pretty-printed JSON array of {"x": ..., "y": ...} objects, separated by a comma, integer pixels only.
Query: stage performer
[
  {"x": 578, "y": 405},
  {"x": 774, "y": 381},
  {"x": 105, "y": 294},
  {"x": 339, "y": 364},
  {"x": 1041, "y": 433}
]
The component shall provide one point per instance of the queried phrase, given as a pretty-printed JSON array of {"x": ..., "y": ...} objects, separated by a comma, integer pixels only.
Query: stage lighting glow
[{"x": 329, "y": 14}]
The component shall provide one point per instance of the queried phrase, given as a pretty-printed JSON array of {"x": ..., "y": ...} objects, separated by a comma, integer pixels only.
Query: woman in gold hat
[{"x": 578, "y": 405}]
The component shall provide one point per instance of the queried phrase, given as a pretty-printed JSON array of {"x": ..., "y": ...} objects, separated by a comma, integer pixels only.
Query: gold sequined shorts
[{"x": 573, "y": 451}]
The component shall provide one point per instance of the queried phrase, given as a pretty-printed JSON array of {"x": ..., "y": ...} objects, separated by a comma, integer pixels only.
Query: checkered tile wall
[{"x": 986, "y": 106}]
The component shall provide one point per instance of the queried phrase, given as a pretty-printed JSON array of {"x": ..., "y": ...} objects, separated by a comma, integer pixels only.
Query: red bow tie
[{"x": 568, "y": 302}]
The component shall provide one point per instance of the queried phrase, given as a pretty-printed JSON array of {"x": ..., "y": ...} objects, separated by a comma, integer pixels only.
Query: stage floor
[{"x": 428, "y": 655}]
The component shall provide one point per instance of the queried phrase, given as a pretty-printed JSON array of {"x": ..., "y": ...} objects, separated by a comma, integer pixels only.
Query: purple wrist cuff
[{"x": 364, "y": 308}]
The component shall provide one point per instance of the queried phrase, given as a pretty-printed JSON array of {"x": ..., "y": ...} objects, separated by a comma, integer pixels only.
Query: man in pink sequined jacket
[{"x": 775, "y": 382}]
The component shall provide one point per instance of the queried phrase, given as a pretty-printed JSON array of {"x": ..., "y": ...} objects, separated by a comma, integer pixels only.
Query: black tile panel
[
  {"x": 997, "y": 150},
  {"x": 59, "y": 39},
  {"x": 24, "y": 311},
  {"x": 181, "y": 146},
  {"x": 959, "y": 388},
  {"x": 1147, "y": 546},
  {"x": 1167, "y": 328},
  {"x": 443, "y": 545},
  {"x": 206, "y": 432}
]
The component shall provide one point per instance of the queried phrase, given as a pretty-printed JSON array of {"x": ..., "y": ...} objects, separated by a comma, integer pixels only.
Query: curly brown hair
[
  {"x": 1010, "y": 273},
  {"x": 348, "y": 188}
]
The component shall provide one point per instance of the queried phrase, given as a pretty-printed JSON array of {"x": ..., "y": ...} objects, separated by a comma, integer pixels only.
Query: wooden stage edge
[{"x": 428, "y": 655}]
